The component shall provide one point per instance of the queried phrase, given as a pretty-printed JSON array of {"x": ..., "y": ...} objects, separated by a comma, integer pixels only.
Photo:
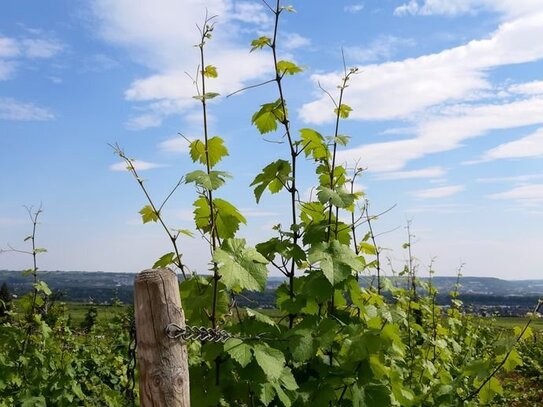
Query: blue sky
[{"x": 448, "y": 121}]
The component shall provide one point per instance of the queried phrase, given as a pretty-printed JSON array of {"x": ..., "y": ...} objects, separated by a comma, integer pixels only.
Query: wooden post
[{"x": 163, "y": 364}]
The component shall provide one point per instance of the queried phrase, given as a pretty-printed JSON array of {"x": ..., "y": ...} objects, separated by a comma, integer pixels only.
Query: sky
[{"x": 447, "y": 121}]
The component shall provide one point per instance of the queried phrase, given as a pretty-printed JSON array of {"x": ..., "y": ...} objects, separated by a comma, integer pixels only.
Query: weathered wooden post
[{"x": 163, "y": 364}]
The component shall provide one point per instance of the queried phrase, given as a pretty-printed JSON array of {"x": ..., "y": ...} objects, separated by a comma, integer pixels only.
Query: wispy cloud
[
  {"x": 139, "y": 165},
  {"x": 430, "y": 172},
  {"x": 528, "y": 88},
  {"x": 527, "y": 194},
  {"x": 257, "y": 213},
  {"x": 443, "y": 132},
  {"x": 440, "y": 192},
  {"x": 530, "y": 146},
  {"x": 354, "y": 8},
  {"x": 441, "y": 208},
  {"x": 382, "y": 48},
  {"x": 459, "y": 7},
  {"x": 294, "y": 41},
  {"x": 11, "y": 109},
  {"x": 162, "y": 39},
  {"x": 514, "y": 179},
  {"x": 15, "y": 51},
  {"x": 174, "y": 145},
  {"x": 403, "y": 89}
]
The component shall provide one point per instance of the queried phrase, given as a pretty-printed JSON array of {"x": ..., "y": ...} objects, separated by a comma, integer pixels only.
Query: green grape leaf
[
  {"x": 185, "y": 232},
  {"x": 240, "y": 267},
  {"x": 342, "y": 140},
  {"x": 337, "y": 261},
  {"x": 42, "y": 287},
  {"x": 513, "y": 360},
  {"x": 271, "y": 361},
  {"x": 266, "y": 394},
  {"x": 267, "y": 117},
  {"x": 287, "y": 380},
  {"x": 211, "y": 181},
  {"x": 238, "y": 351},
  {"x": 210, "y": 72},
  {"x": 274, "y": 177},
  {"x": 148, "y": 214},
  {"x": 227, "y": 217},
  {"x": 197, "y": 298},
  {"x": 337, "y": 197},
  {"x": 288, "y": 68},
  {"x": 313, "y": 144},
  {"x": 366, "y": 248},
  {"x": 377, "y": 395},
  {"x": 260, "y": 317},
  {"x": 343, "y": 110},
  {"x": 165, "y": 261},
  {"x": 206, "y": 96},
  {"x": 215, "y": 147},
  {"x": 301, "y": 345},
  {"x": 489, "y": 390},
  {"x": 260, "y": 43}
]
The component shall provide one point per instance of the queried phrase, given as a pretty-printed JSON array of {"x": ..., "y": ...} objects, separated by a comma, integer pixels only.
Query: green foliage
[
  {"x": 274, "y": 177},
  {"x": 240, "y": 267},
  {"x": 288, "y": 68},
  {"x": 148, "y": 214},
  {"x": 267, "y": 118},
  {"x": 216, "y": 151},
  {"x": 226, "y": 217}
]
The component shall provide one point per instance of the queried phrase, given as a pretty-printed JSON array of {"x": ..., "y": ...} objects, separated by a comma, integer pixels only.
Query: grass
[
  {"x": 511, "y": 322},
  {"x": 106, "y": 313}
]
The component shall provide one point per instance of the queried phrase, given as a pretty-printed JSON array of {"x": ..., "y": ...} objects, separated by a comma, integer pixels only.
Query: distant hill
[{"x": 105, "y": 287}]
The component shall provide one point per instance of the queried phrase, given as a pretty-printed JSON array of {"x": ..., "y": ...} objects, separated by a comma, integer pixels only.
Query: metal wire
[
  {"x": 194, "y": 333},
  {"x": 131, "y": 367}
]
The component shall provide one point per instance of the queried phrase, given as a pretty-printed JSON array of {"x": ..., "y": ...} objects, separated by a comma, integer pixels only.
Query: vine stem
[
  {"x": 293, "y": 152},
  {"x": 173, "y": 239}
]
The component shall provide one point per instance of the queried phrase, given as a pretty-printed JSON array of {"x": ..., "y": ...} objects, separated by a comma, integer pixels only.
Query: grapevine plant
[
  {"x": 333, "y": 343},
  {"x": 45, "y": 361}
]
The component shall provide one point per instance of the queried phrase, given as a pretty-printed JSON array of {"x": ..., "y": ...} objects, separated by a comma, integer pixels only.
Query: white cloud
[
  {"x": 398, "y": 90},
  {"x": 459, "y": 7},
  {"x": 526, "y": 194},
  {"x": 441, "y": 208},
  {"x": 354, "y": 8},
  {"x": 528, "y": 88},
  {"x": 11, "y": 109},
  {"x": 41, "y": 47},
  {"x": 9, "y": 48},
  {"x": 257, "y": 213},
  {"x": 515, "y": 179},
  {"x": 440, "y": 192},
  {"x": 162, "y": 35},
  {"x": 529, "y": 146},
  {"x": 174, "y": 145},
  {"x": 138, "y": 165},
  {"x": 6, "y": 69},
  {"x": 13, "y": 51},
  {"x": 430, "y": 172},
  {"x": 254, "y": 13},
  {"x": 444, "y": 132},
  {"x": 383, "y": 47},
  {"x": 292, "y": 41},
  {"x": 144, "y": 121}
]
